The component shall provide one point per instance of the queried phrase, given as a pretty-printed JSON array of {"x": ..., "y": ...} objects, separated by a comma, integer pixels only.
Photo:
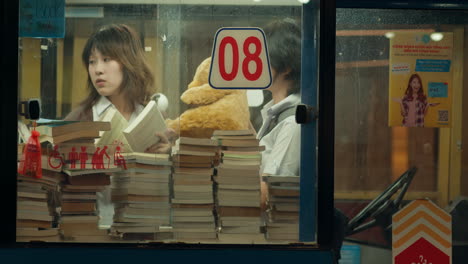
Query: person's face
[
  {"x": 279, "y": 82},
  {"x": 415, "y": 85},
  {"x": 105, "y": 73},
  {"x": 273, "y": 80}
]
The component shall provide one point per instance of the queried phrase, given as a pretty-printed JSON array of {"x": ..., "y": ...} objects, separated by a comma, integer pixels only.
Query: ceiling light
[
  {"x": 389, "y": 35},
  {"x": 437, "y": 36}
]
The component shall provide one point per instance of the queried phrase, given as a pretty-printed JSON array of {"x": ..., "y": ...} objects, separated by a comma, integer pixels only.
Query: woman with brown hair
[
  {"x": 414, "y": 104},
  {"x": 119, "y": 78},
  {"x": 118, "y": 75}
]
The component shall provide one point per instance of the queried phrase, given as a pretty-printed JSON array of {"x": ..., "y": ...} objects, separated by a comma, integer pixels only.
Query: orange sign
[{"x": 422, "y": 234}]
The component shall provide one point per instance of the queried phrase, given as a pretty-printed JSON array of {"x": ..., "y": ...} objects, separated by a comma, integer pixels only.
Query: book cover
[
  {"x": 234, "y": 132},
  {"x": 33, "y": 223},
  {"x": 192, "y": 159},
  {"x": 78, "y": 206},
  {"x": 244, "y": 148},
  {"x": 89, "y": 179},
  {"x": 201, "y": 148},
  {"x": 198, "y": 141},
  {"x": 76, "y": 134},
  {"x": 65, "y": 127},
  {"x": 141, "y": 134},
  {"x": 90, "y": 171},
  {"x": 118, "y": 124},
  {"x": 240, "y": 142},
  {"x": 239, "y": 211}
]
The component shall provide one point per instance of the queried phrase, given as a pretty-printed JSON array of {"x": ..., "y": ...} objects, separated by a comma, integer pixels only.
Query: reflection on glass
[
  {"x": 197, "y": 185},
  {"x": 370, "y": 155}
]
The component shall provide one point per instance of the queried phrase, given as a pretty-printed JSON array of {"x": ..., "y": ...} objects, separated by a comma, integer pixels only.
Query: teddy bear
[{"x": 210, "y": 109}]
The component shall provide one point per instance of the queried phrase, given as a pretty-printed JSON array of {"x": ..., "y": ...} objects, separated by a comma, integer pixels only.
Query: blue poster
[
  {"x": 350, "y": 254},
  {"x": 432, "y": 65},
  {"x": 437, "y": 89},
  {"x": 42, "y": 18}
]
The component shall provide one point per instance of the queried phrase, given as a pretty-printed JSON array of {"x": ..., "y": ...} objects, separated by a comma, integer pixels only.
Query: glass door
[{"x": 380, "y": 55}]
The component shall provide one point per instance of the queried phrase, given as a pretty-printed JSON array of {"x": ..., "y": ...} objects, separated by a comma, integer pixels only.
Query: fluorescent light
[
  {"x": 437, "y": 36},
  {"x": 84, "y": 12},
  {"x": 389, "y": 35}
]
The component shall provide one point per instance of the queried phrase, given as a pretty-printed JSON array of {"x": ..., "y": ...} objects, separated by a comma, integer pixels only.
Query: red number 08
[{"x": 255, "y": 57}]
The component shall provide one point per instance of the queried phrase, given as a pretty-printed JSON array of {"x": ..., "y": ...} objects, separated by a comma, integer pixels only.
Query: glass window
[
  {"x": 216, "y": 172},
  {"x": 370, "y": 154}
]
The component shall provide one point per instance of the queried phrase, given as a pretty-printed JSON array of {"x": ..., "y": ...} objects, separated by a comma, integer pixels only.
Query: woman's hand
[
  {"x": 398, "y": 100},
  {"x": 166, "y": 140}
]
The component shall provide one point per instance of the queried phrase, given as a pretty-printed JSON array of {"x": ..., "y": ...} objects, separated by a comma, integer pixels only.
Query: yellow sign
[{"x": 420, "y": 76}]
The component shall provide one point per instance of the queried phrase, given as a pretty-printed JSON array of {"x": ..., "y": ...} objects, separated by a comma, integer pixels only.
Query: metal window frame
[
  {"x": 319, "y": 27},
  {"x": 320, "y": 36}
]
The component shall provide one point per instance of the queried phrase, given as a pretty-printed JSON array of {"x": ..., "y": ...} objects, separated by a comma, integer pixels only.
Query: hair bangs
[{"x": 106, "y": 42}]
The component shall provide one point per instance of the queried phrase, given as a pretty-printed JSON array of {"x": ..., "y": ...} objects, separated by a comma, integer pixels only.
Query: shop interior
[{"x": 370, "y": 155}]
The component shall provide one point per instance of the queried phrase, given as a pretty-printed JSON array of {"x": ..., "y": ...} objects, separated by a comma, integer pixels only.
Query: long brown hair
[
  {"x": 409, "y": 90},
  {"x": 122, "y": 43}
]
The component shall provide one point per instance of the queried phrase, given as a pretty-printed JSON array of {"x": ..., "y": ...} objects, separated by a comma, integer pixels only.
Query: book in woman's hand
[{"x": 141, "y": 133}]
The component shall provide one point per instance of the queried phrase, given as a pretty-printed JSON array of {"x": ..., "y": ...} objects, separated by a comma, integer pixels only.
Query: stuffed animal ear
[
  {"x": 203, "y": 95},
  {"x": 201, "y": 74},
  {"x": 199, "y": 92}
]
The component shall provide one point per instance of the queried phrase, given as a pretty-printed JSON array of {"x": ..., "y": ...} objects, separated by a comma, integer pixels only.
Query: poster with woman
[{"x": 420, "y": 79}]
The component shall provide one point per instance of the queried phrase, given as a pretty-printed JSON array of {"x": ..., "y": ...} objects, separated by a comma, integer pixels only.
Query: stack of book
[
  {"x": 70, "y": 148},
  {"x": 140, "y": 193},
  {"x": 192, "y": 201},
  {"x": 238, "y": 183},
  {"x": 79, "y": 220},
  {"x": 283, "y": 208},
  {"x": 69, "y": 145},
  {"x": 59, "y": 131},
  {"x": 78, "y": 154},
  {"x": 37, "y": 214}
]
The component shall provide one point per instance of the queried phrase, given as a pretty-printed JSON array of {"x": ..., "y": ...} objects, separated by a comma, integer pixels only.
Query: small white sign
[
  {"x": 240, "y": 59},
  {"x": 401, "y": 68}
]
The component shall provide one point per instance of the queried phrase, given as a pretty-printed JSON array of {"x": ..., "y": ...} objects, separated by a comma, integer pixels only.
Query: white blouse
[
  {"x": 100, "y": 107},
  {"x": 104, "y": 202},
  {"x": 282, "y": 144}
]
